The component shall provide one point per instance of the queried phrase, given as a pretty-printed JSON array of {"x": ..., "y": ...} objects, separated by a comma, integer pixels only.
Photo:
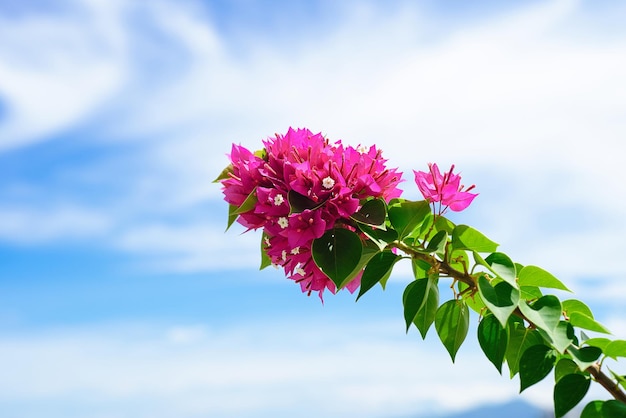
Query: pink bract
[
  {"x": 446, "y": 189},
  {"x": 304, "y": 186}
]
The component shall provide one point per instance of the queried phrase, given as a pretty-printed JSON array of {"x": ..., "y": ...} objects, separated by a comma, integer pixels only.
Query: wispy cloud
[
  {"x": 338, "y": 369},
  {"x": 527, "y": 106}
]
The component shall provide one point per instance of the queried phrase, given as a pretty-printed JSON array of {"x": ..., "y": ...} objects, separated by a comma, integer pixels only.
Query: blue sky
[{"x": 122, "y": 296}]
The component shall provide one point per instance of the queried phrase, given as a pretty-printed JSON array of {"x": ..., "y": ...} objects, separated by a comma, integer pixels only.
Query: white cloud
[
  {"x": 56, "y": 70},
  {"x": 39, "y": 225},
  {"x": 192, "y": 247},
  {"x": 301, "y": 367},
  {"x": 518, "y": 96}
]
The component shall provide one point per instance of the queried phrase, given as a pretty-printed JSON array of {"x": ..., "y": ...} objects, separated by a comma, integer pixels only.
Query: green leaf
[
  {"x": 545, "y": 312},
  {"x": 337, "y": 253},
  {"x": 568, "y": 392},
  {"x": 493, "y": 340},
  {"x": 615, "y": 349},
  {"x": 299, "y": 203},
  {"x": 536, "y": 276},
  {"x": 613, "y": 409},
  {"x": 581, "y": 320},
  {"x": 414, "y": 297},
  {"x": 467, "y": 238},
  {"x": 232, "y": 215},
  {"x": 368, "y": 252},
  {"x": 503, "y": 267},
  {"x": 373, "y": 212},
  {"x": 452, "y": 323},
  {"x": 225, "y": 174},
  {"x": 437, "y": 244},
  {"x": 592, "y": 410},
  {"x": 585, "y": 356},
  {"x": 530, "y": 292},
  {"x": 535, "y": 364},
  {"x": 381, "y": 237},
  {"x": 265, "y": 260},
  {"x": 564, "y": 367},
  {"x": 619, "y": 378},
  {"x": 572, "y": 305},
  {"x": 420, "y": 268},
  {"x": 501, "y": 299},
  {"x": 426, "y": 315},
  {"x": 520, "y": 338},
  {"x": 601, "y": 343},
  {"x": 562, "y": 337},
  {"x": 378, "y": 268},
  {"x": 408, "y": 215},
  {"x": 444, "y": 224},
  {"x": 248, "y": 204}
]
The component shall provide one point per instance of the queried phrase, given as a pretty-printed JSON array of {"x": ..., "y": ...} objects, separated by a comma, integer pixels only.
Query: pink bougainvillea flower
[
  {"x": 444, "y": 188},
  {"x": 302, "y": 186}
]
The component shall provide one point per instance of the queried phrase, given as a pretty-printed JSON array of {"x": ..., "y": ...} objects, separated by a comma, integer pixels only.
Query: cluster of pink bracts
[{"x": 302, "y": 186}]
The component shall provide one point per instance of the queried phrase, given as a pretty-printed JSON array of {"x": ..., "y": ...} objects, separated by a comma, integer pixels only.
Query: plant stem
[
  {"x": 607, "y": 383},
  {"x": 441, "y": 266},
  {"x": 444, "y": 268}
]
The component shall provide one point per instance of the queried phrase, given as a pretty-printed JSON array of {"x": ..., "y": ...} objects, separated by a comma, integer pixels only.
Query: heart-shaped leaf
[{"x": 337, "y": 253}]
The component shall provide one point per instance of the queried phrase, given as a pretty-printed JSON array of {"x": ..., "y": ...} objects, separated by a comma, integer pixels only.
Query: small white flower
[
  {"x": 300, "y": 271},
  {"x": 267, "y": 241},
  {"x": 362, "y": 149},
  {"x": 283, "y": 222},
  {"x": 278, "y": 200},
  {"x": 295, "y": 251},
  {"x": 328, "y": 183},
  {"x": 284, "y": 255}
]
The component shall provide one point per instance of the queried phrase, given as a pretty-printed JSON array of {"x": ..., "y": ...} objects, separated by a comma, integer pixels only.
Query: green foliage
[
  {"x": 584, "y": 357},
  {"x": 265, "y": 260},
  {"x": 565, "y": 366},
  {"x": 438, "y": 243},
  {"x": 337, "y": 253},
  {"x": 536, "y": 276},
  {"x": 533, "y": 333},
  {"x": 299, "y": 203},
  {"x": 493, "y": 339},
  {"x": 501, "y": 299},
  {"x": 373, "y": 212},
  {"x": 535, "y": 364},
  {"x": 426, "y": 315},
  {"x": 407, "y": 215},
  {"x": 467, "y": 238},
  {"x": 568, "y": 392},
  {"x": 502, "y": 266},
  {"x": 592, "y": 410},
  {"x": 415, "y": 298},
  {"x": 377, "y": 269},
  {"x": 545, "y": 312},
  {"x": 520, "y": 339},
  {"x": 452, "y": 324}
]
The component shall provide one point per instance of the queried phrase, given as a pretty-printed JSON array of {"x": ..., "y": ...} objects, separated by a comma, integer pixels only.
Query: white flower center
[
  {"x": 295, "y": 251},
  {"x": 300, "y": 271},
  {"x": 278, "y": 200},
  {"x": 328, "y": 183},
  {"x": 362, "y": 149},
  {"x": 284, "y": 255},
  {"x": 283, "y": 222}
]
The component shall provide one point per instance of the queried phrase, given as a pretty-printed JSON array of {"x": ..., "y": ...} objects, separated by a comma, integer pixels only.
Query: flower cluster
[
  {"x": 445, "y": 189},
  {"x": 298, "y": 187}
]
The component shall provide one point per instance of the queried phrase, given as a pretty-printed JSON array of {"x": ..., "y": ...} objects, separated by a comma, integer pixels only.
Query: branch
[{"x": 607, "y": 383}]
